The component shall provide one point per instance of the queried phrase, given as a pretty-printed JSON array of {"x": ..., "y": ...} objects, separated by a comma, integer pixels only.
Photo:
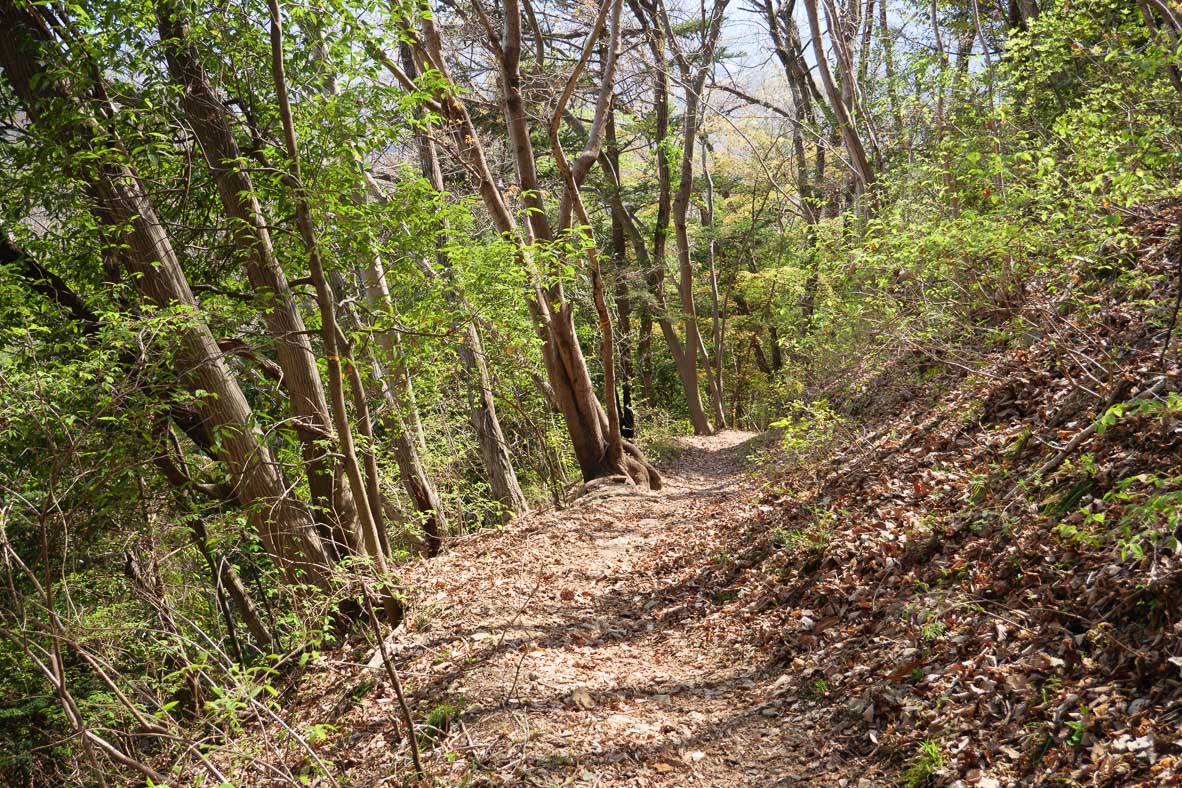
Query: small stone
[
  {"x": 1138, "y": 705},
  {"x": 582, "y": 698}
]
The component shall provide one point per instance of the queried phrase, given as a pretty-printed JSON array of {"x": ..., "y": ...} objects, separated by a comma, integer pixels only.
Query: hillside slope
[{"x": 980, "y": 582}]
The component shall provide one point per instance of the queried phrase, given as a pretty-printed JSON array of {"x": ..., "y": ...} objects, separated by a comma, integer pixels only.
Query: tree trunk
[
  {"x": 369, "y": 513},
  {"x": 572, "y": 200},
  {"x": 208, "y": 118},
  {"x": 888, "y": 57},
  {"x": 619, "y": 253},
  {"x": 684, "y": 356},
  {"x": 715, "y": 374},
  {"x": 553, "y": 314},
  {"x": 842, "y": 112},
  {"x": 694, "y": 80},
  {"x": 1168, "y": 22},
  {"x": 494, "y": 450},
  {"x": 810, "y": 180},
  {"x": 644, "y": 355},
  {"x": 227, "y": 581},
  {"x": 1020, "y": 13},
  {"x": 400, "y": 417},
  {"x": 388, "y": 371}
]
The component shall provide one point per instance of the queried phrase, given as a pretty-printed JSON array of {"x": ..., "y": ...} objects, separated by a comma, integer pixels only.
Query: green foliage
[
  {"x": 933, "y": 629},
  {"x": 813, "y": 538},
  {"x": 1079, "y": 124},
  {"x": 807, "y": 430},
  {"x": 1140, "y": 513},
  {"x": 924, "y": 766},
  {"x": 437, "y": 724},
  {"x": 660, "y": 434}
]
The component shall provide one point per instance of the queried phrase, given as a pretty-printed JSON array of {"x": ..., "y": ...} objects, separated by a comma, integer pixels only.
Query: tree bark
[
  {"x": 400, "y": 417},
  {"x": 619, "y": 251},
  {"x": 694, "y": 80},
  {"x": 553, "y": 314},
  {"x": 1020, "y": 13},
  {"x": 369, "y": 514},
  {"x": 573, "y": 176},
  {"x": 854, "y": 146},
  {"x": 888, "y": 57},
  {"x": 412, "y": 471},
  {"x": 715, "y": 374},
  {"x": 810, "y": 178},
  {"x": 651, "y": 17}
]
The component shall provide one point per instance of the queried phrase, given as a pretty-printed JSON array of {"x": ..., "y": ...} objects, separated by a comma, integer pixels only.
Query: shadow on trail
[
  {"x": 614, "y": 596},
  {"x": 641, "y": 612}
]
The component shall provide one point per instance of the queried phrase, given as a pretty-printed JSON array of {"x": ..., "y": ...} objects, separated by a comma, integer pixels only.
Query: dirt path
[{"x": 579, "y": 648}]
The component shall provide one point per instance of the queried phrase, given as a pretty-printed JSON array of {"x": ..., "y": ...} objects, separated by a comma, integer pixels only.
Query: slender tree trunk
[
  {"x": 566, "y": 366},
  {"x": 888, "y": 57},
  {"x": 684, "y": 356},
  {"x": 400, "y": 416},
  {"x": 228, "y": 582},
  {"x": 388, "y": 371},
  {"x": 707, "y": 213},
  {"x": 619, "y": 251},
  {"x": 621, "y": 215},
  {"x": 942, "y": 61},
  {"x": 335, "y": 348},
  {"x": 494, "y": 449},
  {"x": 1021, "y": 12},
  {"x": 855, "y": 149},
  {"x": 843, "y": 25},
  {"x": 209, "y": 119},
  {"x": 644, "y": 355},
  {"x": 685, "y": 289},
  {"x": 572, "y": 176},
  {"x": 694, "y": 80},
  {"x": 654, "y": 268},
  {"x": 1150, "y": 22}
]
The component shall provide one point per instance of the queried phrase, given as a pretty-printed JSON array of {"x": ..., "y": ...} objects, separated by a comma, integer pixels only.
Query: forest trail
[{"x": 578, "y": 648}]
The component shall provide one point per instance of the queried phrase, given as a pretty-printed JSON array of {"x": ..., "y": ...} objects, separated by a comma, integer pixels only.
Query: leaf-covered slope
[{"x": 957, "y": 615}]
